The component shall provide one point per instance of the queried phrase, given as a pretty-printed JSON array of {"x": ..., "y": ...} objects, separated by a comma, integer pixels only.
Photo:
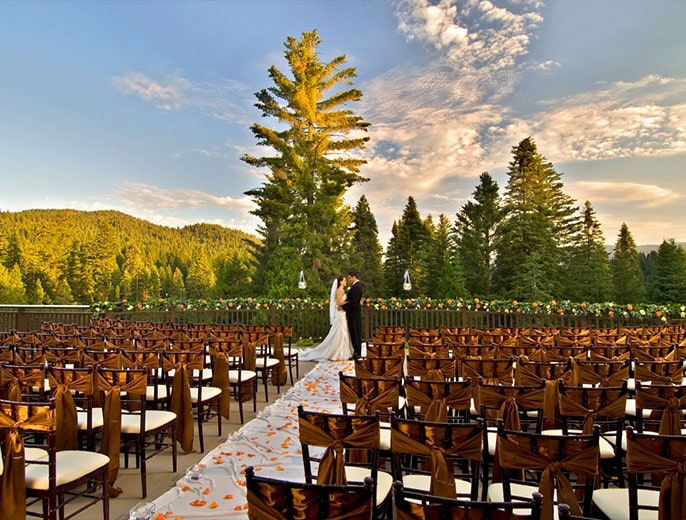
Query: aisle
[{"x": 269, "y": 443}]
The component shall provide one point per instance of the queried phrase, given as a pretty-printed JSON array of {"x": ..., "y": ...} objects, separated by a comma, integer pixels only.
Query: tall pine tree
[
  {"x": 667, "y": 284},
  {"x": 445, "y": 279},
  {"x": 627, "y": 276},
  {"x": 474, "y": 231},
  {"x": 588, "y": 276},
  {"x": 367, "y": 250},
  {"x": 534, "y": 239},
  {"x": 304, "y": 219}
]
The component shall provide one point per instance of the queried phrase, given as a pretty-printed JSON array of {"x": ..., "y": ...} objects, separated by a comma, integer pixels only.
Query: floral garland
[{"x": 564, "y": 307}]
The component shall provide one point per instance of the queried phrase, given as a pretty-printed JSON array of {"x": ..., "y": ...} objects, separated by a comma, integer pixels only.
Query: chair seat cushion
[
  {"x": 519, "y": 492},
  {"x": 246, "y": 375},
  {"x": 614, "y": 503},
  {"x": 71, "y": 465},
  {"x": 268, "y": 363},
  {"x": 29, "y": 454},
  {"x": 423, "y": 483},
  {"x": 208, "y": 393},
  {"x": 154, "y": 419},
  {"x": 356, "y": 474},
  {"x": 150, "y": 392}
]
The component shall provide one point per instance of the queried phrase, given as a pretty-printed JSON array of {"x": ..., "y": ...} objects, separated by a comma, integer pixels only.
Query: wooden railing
[{"x": 308, "y": 323}]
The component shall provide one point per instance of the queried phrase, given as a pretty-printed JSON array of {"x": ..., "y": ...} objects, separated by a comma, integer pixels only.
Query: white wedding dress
[{"x": 336, "y": 346}]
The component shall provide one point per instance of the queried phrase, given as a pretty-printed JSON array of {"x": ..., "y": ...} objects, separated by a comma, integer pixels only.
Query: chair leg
[
  {"x": 105, "y": 497},
  {"x": 200, "y": 429},
  {"x": 141, "y": 462}
]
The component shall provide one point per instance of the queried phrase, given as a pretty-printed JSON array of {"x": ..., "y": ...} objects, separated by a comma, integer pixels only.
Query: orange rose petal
[
  {"x": 228, "y": 497},
  {"x": 280, "y": 468},
  {"x": 237, "y": 508},
  {"x": 245, "y": 506},
  {"x": 213, "y": 505},
  {"x": 206, "y": 491},
  {"x": 160, "y": 516},
  {"x": 198, "y": 503},
  {"x": 185, "y": 488}
]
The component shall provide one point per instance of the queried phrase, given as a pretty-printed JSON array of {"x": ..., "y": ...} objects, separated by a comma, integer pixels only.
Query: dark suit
[{"x": 353, "y": 313}]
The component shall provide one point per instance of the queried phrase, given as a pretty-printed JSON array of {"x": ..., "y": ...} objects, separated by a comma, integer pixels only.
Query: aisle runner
[{"x": 269, "y": 443}]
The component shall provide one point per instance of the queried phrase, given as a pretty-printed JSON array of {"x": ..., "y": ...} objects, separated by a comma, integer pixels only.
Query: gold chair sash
[
  {"x": 432, "y": 369},
  {"x": 436, "y": 409},
  {"x": 584, "y": 463},
  {"x": 368, "y": 403},
  {"x": 672, "y": 410},
  {"x": 220, "y": 379},
  {"x": 370, "y": 368},
  {"x": 442, "y": 480},
  {"x": 569, "y": 406},
  {"x": 13, "y": 479},
  {"x": 279, "y": 376},
  {"x": 584, "y": 374},
  {"x": 111, "y": 410},
  {"x": 182, "y": 406},
  {"x": 331, "y": 466},
  {"x": 643, "y": 372}
]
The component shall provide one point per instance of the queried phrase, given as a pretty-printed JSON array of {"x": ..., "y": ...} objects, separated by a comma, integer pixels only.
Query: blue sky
[{"x": 145, "y": 107}]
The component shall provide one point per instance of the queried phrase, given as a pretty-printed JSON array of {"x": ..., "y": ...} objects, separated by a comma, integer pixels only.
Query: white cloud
[
  {"x": 225, "y": 99},
  {"x": 135, "y": 194},
  {"x": 624, "y": 193}
]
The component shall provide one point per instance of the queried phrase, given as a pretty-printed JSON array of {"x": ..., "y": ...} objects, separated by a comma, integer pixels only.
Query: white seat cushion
[
  {"x": 208, "y": 393},
  {"x": 131, "y": 422},
  {"x": 29, "y": 454},
  {"x": 150, "y": 392},
  {"x": 71, "y": 465},
  {"x": 270, "y": 362},
  {"x": 496, "y": 494},
  {"x": 614, "y": 503},
  {"x": 383, "y": 485},
  {"x": 246, "y": 375}
]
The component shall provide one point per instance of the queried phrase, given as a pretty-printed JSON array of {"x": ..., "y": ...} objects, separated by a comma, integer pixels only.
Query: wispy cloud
[
  {"x": 135, "y": 194},
  {"x": 223, "y": 99},
  {"x": 622, "y": 193}
]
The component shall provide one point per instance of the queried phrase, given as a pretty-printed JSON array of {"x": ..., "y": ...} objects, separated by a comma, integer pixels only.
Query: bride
[{"x": 336, "y": 345}]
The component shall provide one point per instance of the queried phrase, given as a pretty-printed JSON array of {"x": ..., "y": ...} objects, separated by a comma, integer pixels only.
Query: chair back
[
  {"x": 274, "y": 499},
  {"x": 438, "y": 401}
]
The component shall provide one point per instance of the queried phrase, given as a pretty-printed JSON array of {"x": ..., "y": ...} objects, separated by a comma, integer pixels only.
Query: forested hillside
[{"x": 69, "y": 256}]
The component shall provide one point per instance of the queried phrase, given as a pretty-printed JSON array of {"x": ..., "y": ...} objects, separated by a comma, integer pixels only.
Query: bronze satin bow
[
  {"x": 584, "y": 463},
  {"x": 65, "y": 407},
  {"x": 672, "y": 409},
  {"x": 368, "y": 403},
  {"x": 432, "y": 369},
  {"x": 643, "y": 456},
  {"x": 279, "y": 376},
  {"x": 435, "y": 408},
  {"x": 499, "y": 371},
  {"x": 643, "y": 372},
  {"x": 370, "y": 368},
  {"x": 111, "y": 411},
  {"x": 442, "y": 480},
  {"x": 331, "y": 466},
  {"x": 584, "y": 374},
  {"x": 13, "y": 479},
  {"x": 570, "y": 406}
]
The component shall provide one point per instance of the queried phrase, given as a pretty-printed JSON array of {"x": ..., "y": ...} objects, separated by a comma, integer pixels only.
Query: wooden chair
[
  {"x": 39, "y": 473},
  {"x": 371, "y": 395},
  {"x": 493, "y": 371},
  {"x": 359, "y": 436},
  {"x": 660, "y": 408},
  {"x": 518, "y": 407},
  {"x": 582, "y": 408},
  {"x": 274, "y": 498},
  {"x": 562, "y": 469},
  {"x": 265, "y": 364},
  {"x": 413, "y": 505},
  {"x": 385, "y": 349},
  {"x": 655, "y": 479},
  {"x": 436, "y": 458},
  {"x": 145, "y": 433}
]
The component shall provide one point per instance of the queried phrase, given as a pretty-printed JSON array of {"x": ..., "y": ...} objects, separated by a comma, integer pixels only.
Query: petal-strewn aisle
[{"x": 269, "y": 443}]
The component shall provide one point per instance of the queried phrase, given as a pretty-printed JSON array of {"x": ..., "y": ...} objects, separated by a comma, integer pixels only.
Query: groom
[{"x": 353, "y": 312}]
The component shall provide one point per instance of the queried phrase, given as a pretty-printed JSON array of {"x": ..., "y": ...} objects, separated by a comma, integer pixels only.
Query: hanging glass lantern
[
  {"x": 302, "y": 284},
  {"x": 407, "y": 284}
]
